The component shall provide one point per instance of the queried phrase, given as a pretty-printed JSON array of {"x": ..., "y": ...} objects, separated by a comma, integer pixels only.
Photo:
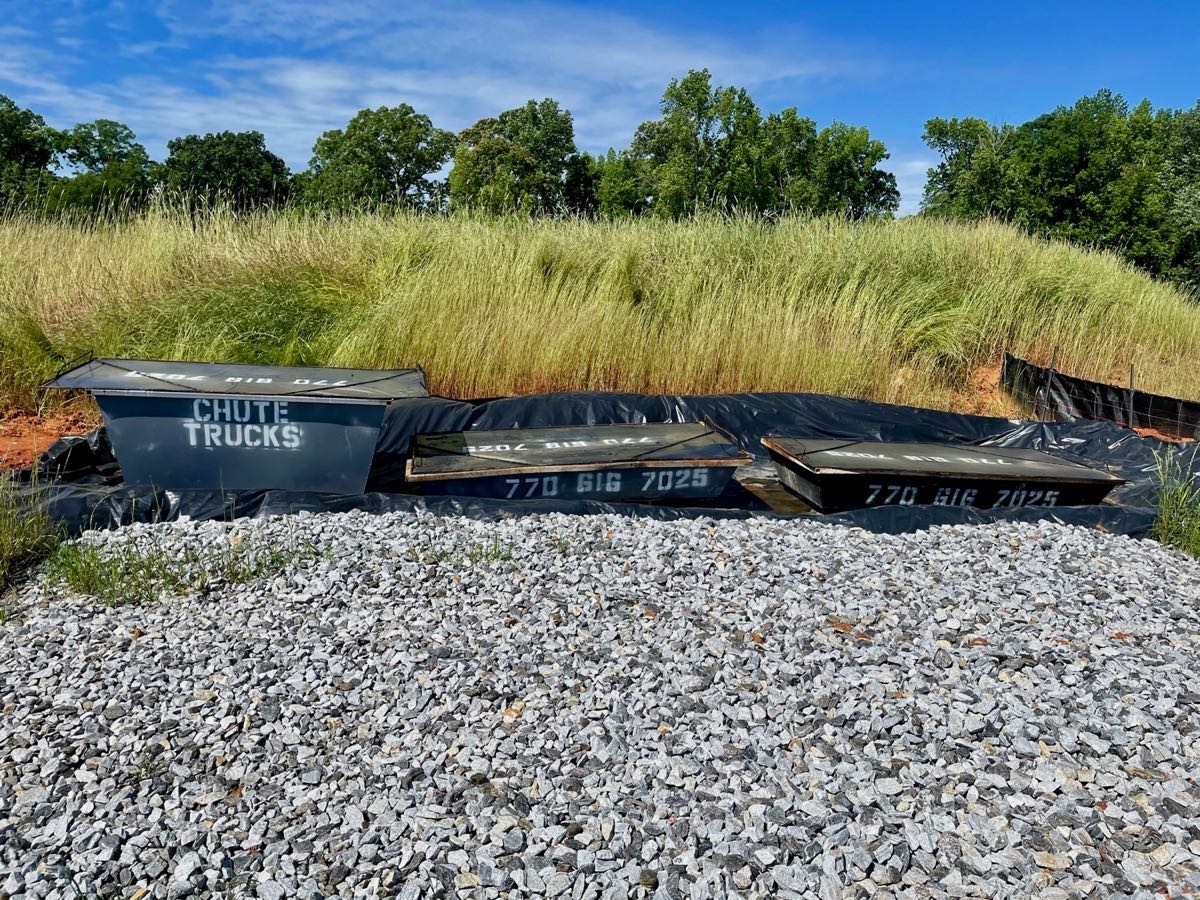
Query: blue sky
[{"x": 293, "y": 68}]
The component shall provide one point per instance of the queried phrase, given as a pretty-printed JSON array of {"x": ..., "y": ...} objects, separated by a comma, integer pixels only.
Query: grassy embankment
[{"x": 897, "y": 311}]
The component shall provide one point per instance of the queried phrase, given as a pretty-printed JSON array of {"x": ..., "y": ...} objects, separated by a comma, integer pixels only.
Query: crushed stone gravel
[{"x": 603, "y": 707}]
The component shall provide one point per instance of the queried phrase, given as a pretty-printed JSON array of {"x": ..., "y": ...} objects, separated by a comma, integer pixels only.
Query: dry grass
[{"x": 904, "y": 311}]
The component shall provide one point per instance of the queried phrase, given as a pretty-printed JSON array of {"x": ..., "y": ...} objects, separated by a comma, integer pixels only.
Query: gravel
[{"x": 605, "y": 707}]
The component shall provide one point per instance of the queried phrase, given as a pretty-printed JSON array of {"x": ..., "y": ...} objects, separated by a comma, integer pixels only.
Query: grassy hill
[{"x": 903, "y": 311}]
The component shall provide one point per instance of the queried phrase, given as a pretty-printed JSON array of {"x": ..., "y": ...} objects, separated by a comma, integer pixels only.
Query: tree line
[
  {"x": 1098, "y": 173},
  {"x": 710, "y": 148}
]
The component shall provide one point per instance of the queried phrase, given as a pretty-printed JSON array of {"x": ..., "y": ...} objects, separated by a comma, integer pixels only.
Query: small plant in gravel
[
  {"x": 121, "y": 573},
  {"x": 114, "y": 575},
  {"x": 495, "y": 551},
  {"x": 1178, "y": 522}
]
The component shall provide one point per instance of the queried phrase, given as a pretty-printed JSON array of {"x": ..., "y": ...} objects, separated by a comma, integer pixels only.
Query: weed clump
[
  {"x": 123, "y": 573},
  {"x": 1178, "y": 521}
]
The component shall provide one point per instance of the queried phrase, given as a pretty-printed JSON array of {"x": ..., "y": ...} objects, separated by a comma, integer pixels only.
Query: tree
[
  {"x": 678, "y": 153},
  {"x": 580, "y": 181},
  {"x": 94, "y": 145},
  {"x": 27, "y": 147},
  {"x": 619, "y": 190},
  {"x": 712, "y": 149},
  {"x": 847, "y": 178},
  {"x": 115, "y": 167},
  {"x": 1181, "y": 183},
  {"x": 384, "y": 155},
  {"x": 232, "y": 167},
  {"x": 517, "y": 161},
  {"x": 789, "y": 149},
  {"x": 975, "y": 177}
]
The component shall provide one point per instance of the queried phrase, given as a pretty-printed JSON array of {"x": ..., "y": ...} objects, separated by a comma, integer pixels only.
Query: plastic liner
[
  {"x": 1050, "y": 392},
  {"x": 82, "y": 486}
]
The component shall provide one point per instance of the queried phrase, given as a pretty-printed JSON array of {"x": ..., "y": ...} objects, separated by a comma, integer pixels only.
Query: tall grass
[{"x": 897, "y": 311}]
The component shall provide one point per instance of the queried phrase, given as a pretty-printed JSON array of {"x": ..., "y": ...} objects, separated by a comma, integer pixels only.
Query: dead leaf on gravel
[{"x": 515, "y": 711}]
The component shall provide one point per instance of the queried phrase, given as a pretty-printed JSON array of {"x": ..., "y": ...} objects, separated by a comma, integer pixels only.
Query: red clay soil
[
  {"x": 983, "y": 395},
  {"x": 23, "y": 438},
  {"x": 1155, "y": 433}
]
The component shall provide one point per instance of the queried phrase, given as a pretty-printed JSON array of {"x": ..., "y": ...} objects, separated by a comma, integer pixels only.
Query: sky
[{"x": 294, "y": 68}]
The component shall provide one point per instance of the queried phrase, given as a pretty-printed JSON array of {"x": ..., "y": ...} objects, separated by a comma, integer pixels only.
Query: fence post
[
  {"x": 1045, "y": 398},
  {"x": 1129, "y": 397}
]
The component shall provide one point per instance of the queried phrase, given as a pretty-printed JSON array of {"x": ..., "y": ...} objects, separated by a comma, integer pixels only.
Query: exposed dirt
[
  {"x": 1155, "y": 433},
  {"x": 22, "y": 438},
  {"x": 983, "y": 395}
]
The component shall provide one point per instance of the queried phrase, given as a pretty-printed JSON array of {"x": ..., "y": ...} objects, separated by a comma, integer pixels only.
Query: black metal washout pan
[
  {"x": 837, "y": 475},
  {"x": 188, "y": 426},
  {"x": 640, "y": 462}
]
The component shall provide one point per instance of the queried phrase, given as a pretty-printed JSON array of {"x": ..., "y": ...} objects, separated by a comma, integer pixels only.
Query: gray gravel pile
[{"x": 583, "y": 707}]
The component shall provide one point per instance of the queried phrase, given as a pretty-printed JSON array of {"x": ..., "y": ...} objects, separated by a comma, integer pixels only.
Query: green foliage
[
  {"x": 273, "y": 319},
  {"x": 114, "y": 176},
  {"x": 122, "y": 573},
  {"x": 229, "y": 167},
  {"x": 383, "y": 156},
  {"x": 26, "y": 189},
  {"x": 27, "y": 533},
  {"x": 93, "y": 146},
  {"x": 494, "y": 551},
  {"x": 712, "y": 149},
  {"x": 619, "y": 190},
  {"x": 689, "y": 156},
  {"x": 518, "y": 161},
  {"x": 580, "y": 183},
  {"x": 112, "y": 168},
  {"x": 1096, "y": 173},
  {"x": 120, "y": 187},
  {"x": 789, "y": 144},
  {"x": 1178, "y": 521},
  {"x": 847, "y": 178},
  {"x": 27, "y": 147},
  {"x": 25, "y": 139}
]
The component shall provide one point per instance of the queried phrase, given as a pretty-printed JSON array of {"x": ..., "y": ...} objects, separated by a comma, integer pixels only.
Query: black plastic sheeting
[
  {"x": 81, "y": 484},
  {"x": 1065, "y": 397}
]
